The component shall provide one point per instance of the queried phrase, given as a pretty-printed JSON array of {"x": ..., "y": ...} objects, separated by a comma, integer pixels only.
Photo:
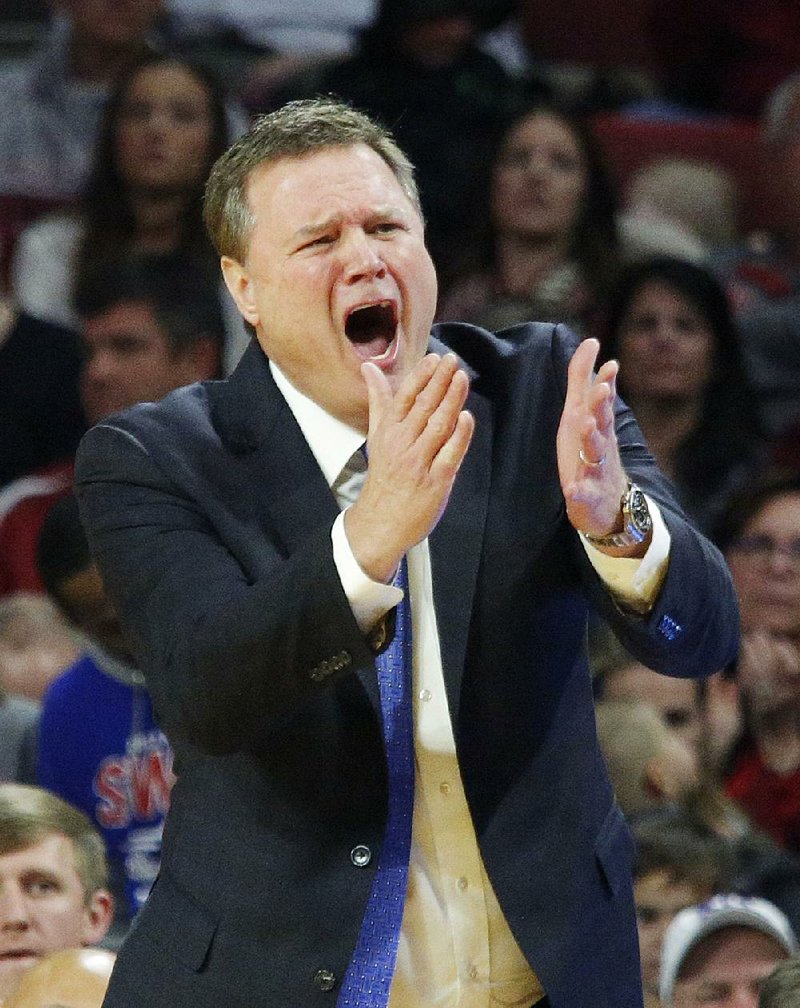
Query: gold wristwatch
[{"x": 636, "y": 522}]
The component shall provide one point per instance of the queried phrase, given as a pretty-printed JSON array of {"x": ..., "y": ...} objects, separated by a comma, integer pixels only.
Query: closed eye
[{"x": 318, "y": 242}]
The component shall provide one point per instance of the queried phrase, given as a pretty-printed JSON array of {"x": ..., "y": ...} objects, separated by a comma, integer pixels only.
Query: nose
[
  {"x": 159, "y": 120},
  {"x": 13, "y": 909},
  {"x": 782, "y": 561},
  {"x": 662, "y": 333},
  {"x": 361, "y": 259},
  {"x": 99, "y": 367}
]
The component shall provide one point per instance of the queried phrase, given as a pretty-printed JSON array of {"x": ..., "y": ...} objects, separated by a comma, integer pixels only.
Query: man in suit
[{"x": 252, "y": 559}]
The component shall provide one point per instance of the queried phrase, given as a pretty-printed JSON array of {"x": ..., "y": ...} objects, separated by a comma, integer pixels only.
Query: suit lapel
[
  {"x": 455, "y": 546},
  {"x": 289, "y": 494}
]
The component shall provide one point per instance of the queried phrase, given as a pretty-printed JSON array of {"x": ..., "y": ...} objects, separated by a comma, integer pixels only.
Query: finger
[
  {"x": 608, "y": 373},
  {"x": 414, "y": 383},
  {"x": 451, "y": 454},
  {"x": 441, "y": 423},
  {"x": 433, "y": 395},
  {"x": 600, "y": 404},
  {"x": 379, "y": 395},
  {"x": 580, "y": 371}
]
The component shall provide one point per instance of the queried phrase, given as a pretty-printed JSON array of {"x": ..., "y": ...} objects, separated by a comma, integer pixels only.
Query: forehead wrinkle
[{"x": 337, "y": 218}]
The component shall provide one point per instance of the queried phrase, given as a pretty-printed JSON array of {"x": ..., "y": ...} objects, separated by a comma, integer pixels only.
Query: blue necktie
[{"x": 369, "y": 975}]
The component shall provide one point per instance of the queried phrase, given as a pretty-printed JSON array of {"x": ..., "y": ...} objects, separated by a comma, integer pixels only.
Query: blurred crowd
[{"x": 629, "y": 169}]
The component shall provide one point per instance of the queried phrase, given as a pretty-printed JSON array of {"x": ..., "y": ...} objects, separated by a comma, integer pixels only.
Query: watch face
[{"x": 638, "y": 512}]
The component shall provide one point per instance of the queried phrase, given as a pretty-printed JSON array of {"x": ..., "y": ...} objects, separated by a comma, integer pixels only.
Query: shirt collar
[{"x": 331, "y": 442}]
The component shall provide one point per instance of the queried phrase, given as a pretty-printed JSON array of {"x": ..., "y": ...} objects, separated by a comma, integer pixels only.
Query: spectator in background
[
  {"x": 99, "y": 747},
  {"x": 764, "y": 279},
  {"x": 51, "y": 104},
  {"x": 36, "y": 642},
  {"x": 657, "y": 777},
  {"x": 720, "y": 952},
  {"x": 72, "y": 978},
  {"x": 53, "y": 878},
  {"x": 760, "y": 536},
  {"x": 703, "y": 716},
  {"x": 677, "y": 865},
  {"x": 766, "y": 269},
  {"x": 781, "y": 989},
  {"x": 649, "y": 764},
  {"x": 618, "y": 676},
  {"x": 671, "y": 329},
  {"x": 144, "y": 334},
  {"x": 553, "y": 251},
  {"x": 164, "y": 127},
  {"x": 420, "y": 72},
  {"x": 679, "y": 207}
]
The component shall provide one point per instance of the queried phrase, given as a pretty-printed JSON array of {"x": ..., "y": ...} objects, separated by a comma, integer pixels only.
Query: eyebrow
[{"x": 317, "y": 227}]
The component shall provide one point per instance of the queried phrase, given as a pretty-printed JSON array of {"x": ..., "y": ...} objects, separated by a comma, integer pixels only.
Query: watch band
[{"x": 637, "y": 523}]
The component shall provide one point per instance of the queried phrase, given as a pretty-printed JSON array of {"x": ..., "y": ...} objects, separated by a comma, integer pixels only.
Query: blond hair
[{"x": 29, "y": 815}]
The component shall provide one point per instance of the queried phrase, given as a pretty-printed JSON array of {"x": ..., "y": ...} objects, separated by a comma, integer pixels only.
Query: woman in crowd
[
  {"x": 553, "y": 252},
  {"x": 164, "y": 127},
  {"x": 681, "y": 371},
  {"x": 760, "y": 536}
]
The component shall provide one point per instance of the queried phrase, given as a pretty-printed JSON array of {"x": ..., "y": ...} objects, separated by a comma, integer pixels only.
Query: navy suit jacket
[{"x": 211, "y": 521}]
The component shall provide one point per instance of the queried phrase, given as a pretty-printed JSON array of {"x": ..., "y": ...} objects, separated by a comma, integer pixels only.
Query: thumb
[{"x": 379, "y": 394}]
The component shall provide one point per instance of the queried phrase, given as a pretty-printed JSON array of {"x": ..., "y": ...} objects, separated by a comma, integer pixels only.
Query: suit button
[
  {"x": 361, "y": 855},
  {"x": 325, "y": 979}
]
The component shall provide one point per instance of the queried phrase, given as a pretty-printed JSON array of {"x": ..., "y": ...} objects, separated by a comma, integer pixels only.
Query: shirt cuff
[
  {"x": 636, "y": 581},
  {"x": 370, "y": 600}
]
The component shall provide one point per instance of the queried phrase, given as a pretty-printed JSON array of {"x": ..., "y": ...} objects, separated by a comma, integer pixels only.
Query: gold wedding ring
[{"x": 588, "y": 462}]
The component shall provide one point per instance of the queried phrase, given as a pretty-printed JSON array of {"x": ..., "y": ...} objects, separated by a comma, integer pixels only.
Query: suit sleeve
[
  {"x": 693, "y": 626},
  {"x": 227, "y": 654}
]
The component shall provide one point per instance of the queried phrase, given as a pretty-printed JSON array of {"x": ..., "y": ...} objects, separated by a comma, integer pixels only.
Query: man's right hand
[{"x": 418, "y": 437}]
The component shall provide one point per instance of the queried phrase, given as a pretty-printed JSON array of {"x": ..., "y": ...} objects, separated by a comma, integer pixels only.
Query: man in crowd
[
  {"x": 360, "y": 818},
  {"x": 99, "y": 748},
  {"x": 141, "y": 339},
  {"x": 53, "y": 881},
  {"x": 720, "y": 952}
]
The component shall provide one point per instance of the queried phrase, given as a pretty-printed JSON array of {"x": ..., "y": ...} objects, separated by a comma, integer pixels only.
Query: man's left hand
[{"x": 592, "y": 478}]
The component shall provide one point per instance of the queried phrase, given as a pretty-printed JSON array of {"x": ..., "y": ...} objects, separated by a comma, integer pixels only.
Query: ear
[
  {"x": 238, "y": 282},
  {"x": 98, "y": 916},
  {"x": 654, "y": 781}
]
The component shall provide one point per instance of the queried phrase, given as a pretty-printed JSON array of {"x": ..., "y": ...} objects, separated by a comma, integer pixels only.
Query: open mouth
[{"x": 372, "y": 328}]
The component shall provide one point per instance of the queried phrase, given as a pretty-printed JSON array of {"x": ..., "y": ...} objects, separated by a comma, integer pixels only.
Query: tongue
[{"x": 367, "y": 349}]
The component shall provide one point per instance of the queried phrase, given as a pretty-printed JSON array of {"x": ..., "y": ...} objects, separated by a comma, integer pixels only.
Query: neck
[
  {"x": 665, "y": 423},
  {"x": 158, "y": 220},
  {"x": 524, "y": 261}
]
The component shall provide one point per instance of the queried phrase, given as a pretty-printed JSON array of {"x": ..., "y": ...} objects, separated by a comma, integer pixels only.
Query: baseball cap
[{"x": 690, "y": 926}]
